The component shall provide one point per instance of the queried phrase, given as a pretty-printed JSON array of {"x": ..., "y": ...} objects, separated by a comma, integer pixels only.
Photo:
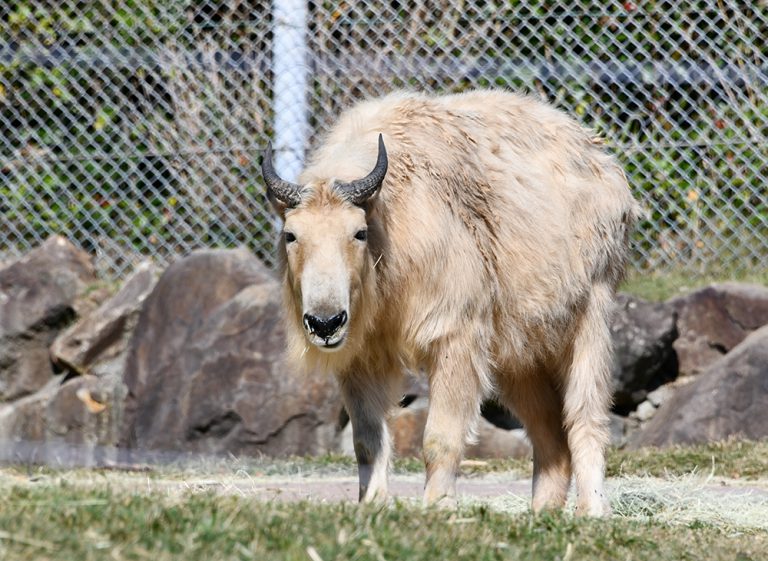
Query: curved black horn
[
  {"x": 284, "y": 191},
  {"x": 360, "y": 190}
]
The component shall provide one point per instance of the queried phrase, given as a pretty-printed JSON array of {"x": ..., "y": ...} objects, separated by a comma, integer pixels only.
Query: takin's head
[{"x": 329, "y": 266}]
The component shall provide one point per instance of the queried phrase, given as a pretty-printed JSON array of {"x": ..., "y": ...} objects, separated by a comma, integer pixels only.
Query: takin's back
[{"x": 495, "y": 205}]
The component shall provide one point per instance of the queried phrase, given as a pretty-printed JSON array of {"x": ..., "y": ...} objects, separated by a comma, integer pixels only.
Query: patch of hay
[{"x": 689, "y": 500}]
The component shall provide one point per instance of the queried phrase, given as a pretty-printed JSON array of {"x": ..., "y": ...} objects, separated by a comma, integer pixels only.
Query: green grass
[
  {"x": 732, "y": 459},
  {"x": 665, "y": 508},
  {"x": 658, "y": 288},
  {"x": 60, "y": 521},
  {"x": 735, "y": 459}
]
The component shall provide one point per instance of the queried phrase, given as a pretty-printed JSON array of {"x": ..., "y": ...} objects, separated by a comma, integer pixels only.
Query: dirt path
[{"x": 344, "y": 488}]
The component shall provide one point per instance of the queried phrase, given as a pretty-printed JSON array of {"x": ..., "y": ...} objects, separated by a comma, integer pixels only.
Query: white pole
[{"x": 291, "y": 75}]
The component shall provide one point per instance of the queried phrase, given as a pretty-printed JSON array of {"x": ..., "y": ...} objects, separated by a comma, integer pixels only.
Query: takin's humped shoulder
[{"x": 493, "y": 204}]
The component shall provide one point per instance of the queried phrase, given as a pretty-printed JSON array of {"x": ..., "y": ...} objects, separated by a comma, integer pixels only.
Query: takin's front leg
[
  {"x": 368, "y": 401},
  {"x": 455, "y": 394}
]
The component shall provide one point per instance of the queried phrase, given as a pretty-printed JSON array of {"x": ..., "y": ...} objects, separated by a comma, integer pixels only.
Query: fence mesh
[{"x": 135, "y": 127}]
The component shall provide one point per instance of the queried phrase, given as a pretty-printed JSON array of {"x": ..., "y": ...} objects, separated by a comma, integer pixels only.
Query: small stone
[
  {"x": 645, "y": 411},
  {"x": 660, "y": 394}
]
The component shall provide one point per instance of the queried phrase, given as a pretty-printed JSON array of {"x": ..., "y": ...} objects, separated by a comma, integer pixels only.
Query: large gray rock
[
  {"x": 407, "y": 427},
  {"x": 495, "y": 442},
  {"x": 643, "y": 334},
  {"x": 85, "y": 409},
  {"x": 97, "y": 342},
  {"x": 67, "y": 422},
  {"x": 730, "y": 398},
  {"x": 24, "y": 418},
  {"x": 205, "y": 370},
  {"x": 38, "y": 298},
  {"x": 715, "y": 319},
  {"x": 416, "y": 385}
]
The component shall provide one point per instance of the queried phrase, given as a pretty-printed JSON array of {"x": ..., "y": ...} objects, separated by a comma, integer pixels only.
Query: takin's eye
[
  {"x": 290, "y": 237},
  {"x": 361, "y": 235}
]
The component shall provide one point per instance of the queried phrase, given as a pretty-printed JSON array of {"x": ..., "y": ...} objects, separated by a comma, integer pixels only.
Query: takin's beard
[{"x": 305, "y": 357}]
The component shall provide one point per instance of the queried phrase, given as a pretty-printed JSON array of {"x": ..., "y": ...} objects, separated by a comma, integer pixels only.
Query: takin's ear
[
  {"x": 370, "y": 204},
  {"x": 278, "y": 206}
]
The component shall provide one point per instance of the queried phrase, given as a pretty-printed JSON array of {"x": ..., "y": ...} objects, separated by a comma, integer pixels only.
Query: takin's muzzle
[{"x": 325, "y": 327}]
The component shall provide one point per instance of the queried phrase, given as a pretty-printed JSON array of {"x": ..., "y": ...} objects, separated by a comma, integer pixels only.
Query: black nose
[{"x": 324, "y": 327}]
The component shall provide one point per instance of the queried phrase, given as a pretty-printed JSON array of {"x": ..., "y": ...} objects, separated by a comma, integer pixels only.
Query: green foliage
[
  {"x": 660, "y": 287},
  {"x": 657, "y": 79},
  {"x": 98, "y": 140},
  {"x": 143, "y": 153}
]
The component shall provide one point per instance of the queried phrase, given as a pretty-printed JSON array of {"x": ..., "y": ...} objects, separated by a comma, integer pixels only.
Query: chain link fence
[{"x": 134, "y": 127}]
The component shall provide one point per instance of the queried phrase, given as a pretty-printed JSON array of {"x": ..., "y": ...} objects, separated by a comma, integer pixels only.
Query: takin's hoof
[
  {"x": 446, "y": 502},
  {"x": 379, "y": 497},
  {"x": 547, "y": 509},
  {"x": 594, "y": 510}
]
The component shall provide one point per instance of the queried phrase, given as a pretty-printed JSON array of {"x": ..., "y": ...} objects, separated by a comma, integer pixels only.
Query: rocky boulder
[
  {"x": 38, "y": 298},
  {"x": 729, "y": 398},
  {"x": 495, "y": 442},
  {"x": 715, "y": 319},
  {"x": 96, "y": 343},
  {"x": 67, "y": 422},
  {"x": 643, "y": 334},
  {"x": 407, "y": 427},
  {"x": 205, "y": 371},
  {"x": 76, "y": 418},
  {"x": 415, "y": 385}
]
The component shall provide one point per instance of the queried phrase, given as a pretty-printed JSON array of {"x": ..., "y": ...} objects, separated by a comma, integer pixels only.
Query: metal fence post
[{"x": 291, "y": 77}]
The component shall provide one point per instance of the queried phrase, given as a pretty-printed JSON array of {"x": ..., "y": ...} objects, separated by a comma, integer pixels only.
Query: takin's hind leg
[
  {"x": 586, "y": 400},
  {"x": 538, "y": 405}
]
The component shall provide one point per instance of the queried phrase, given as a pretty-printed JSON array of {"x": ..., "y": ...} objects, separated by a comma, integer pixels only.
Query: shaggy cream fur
[{"x": 493, "y": 249}]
